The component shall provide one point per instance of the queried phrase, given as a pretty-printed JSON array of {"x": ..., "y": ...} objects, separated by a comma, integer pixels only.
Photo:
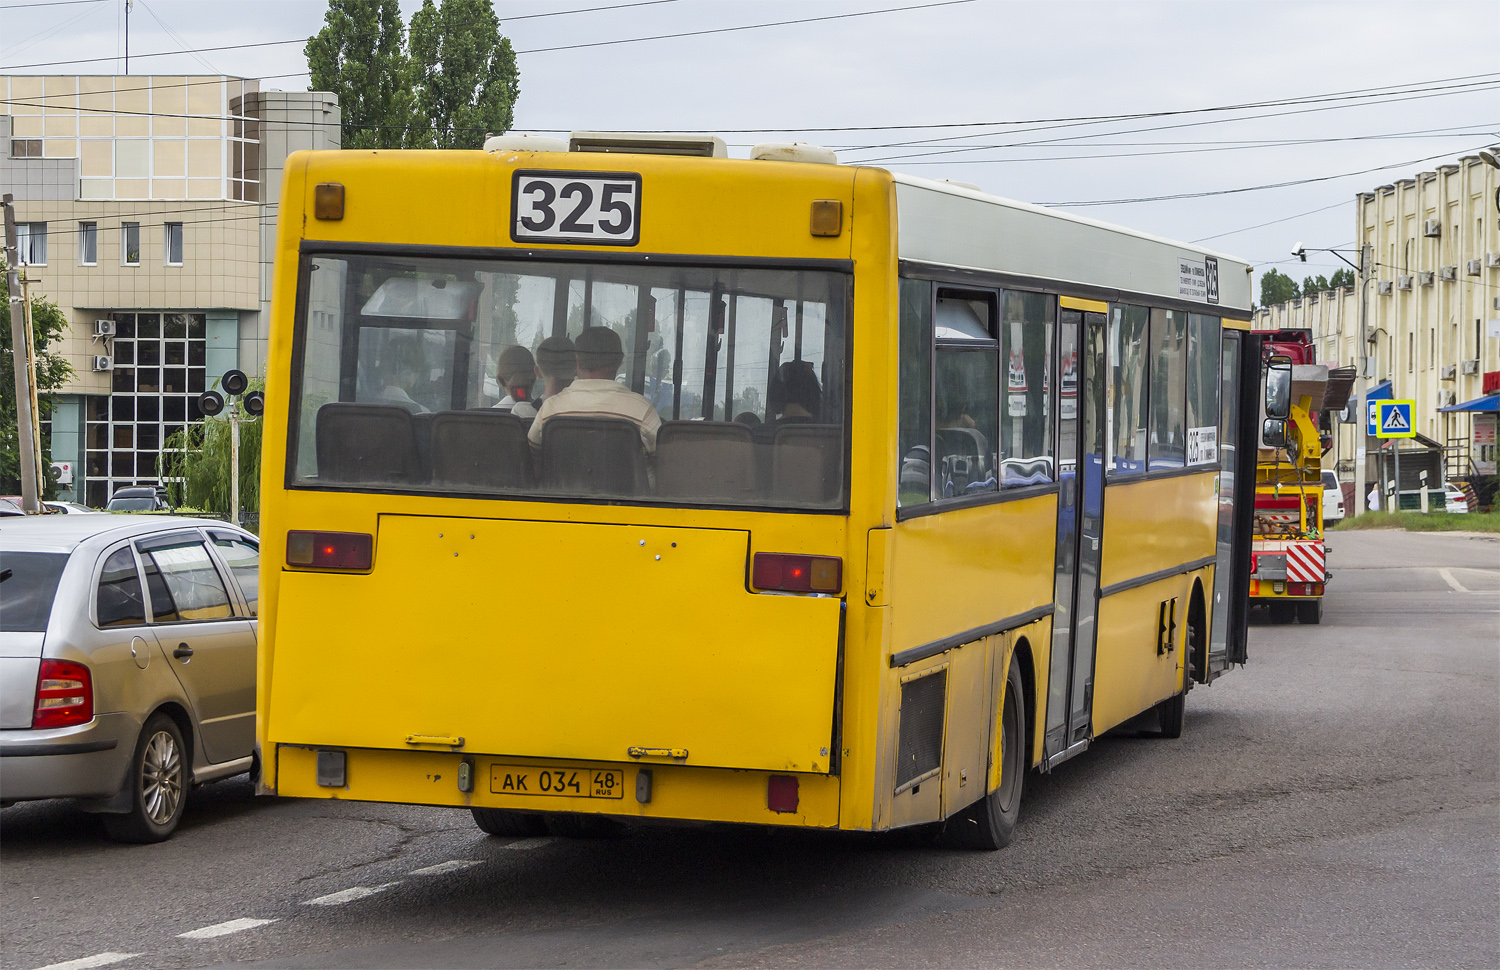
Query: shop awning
[
  {"x": 1380, "y": 392},
  {"x": 1489, "y": 404}
]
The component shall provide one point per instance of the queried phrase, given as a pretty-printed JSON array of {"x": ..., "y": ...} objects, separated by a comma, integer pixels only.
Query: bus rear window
[
  {"x": 642, "y": 384},
  {"x": 28, "y": 584}
]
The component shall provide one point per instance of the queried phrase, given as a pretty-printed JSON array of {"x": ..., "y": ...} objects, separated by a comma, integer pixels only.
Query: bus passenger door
[
  {"x": 1080, "y": 520},
  {"x": 1239, "y": 413}
]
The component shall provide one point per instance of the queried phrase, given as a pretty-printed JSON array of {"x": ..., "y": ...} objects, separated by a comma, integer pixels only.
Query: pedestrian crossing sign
[{"x": 1393, "y": 419}]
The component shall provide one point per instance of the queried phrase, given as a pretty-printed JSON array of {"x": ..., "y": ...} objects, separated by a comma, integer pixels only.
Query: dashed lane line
[
  {"x": 1448, "y": 578},
  {"x": 97, "y": 960},
  {"x": 348, "y": 895},
  {"x": 224, "y": 929},
  {"x": 452, "y": 865}
]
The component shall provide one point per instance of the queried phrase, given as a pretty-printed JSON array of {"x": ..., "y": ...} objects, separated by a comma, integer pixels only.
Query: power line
[
  {"x": 560, "y": 13},
  {"x": 51, "y": 3},
  {"x": 1232, "y": 232}
]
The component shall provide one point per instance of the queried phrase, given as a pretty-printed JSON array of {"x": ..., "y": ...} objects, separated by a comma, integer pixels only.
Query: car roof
[{"x": 64, "y": 533}]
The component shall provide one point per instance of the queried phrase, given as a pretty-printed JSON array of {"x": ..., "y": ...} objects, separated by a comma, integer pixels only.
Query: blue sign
[
  {"x": 1374, "y": 426},
  {"x": 1393, "y": 419}
]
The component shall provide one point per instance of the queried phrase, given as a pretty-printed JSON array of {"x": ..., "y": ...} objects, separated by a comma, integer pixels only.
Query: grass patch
[{"x": 1417, "y": 522}]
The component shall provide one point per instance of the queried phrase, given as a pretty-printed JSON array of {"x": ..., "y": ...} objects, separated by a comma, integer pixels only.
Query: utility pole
[
  {"x": 36, "y": 409},
  {"x": 234, "y": 462},
  {"x": 25, "y": 433},
  {"x": 1362, "y": 379}
]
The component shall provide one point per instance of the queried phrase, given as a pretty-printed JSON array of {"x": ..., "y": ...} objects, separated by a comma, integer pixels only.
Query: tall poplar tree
[
  {"x": 464, "y": 77},
  {"x": 360, "y": 55}
]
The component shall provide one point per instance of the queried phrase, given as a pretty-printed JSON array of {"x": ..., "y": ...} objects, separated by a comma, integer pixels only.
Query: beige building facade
[
  {"x": 1434, "y": 301},
  {"x": 145, "y": 209}
]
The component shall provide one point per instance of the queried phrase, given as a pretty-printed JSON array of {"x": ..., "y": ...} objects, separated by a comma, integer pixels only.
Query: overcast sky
[{"x": 985, "y": 62}]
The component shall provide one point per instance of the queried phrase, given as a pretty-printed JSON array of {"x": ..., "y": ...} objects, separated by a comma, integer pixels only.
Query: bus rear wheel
[
  {"x": 1310, "y": 611},
  {"x": 990, "y": 823},
  {"x": 497, "y": 821}
]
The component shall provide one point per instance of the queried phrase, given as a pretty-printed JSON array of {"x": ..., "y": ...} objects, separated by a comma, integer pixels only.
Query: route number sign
[{"x": 578, "y": 208}]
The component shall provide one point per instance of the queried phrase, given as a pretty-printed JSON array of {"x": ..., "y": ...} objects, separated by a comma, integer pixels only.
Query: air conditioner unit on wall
[
  {"x": 1384, "y": 287},
  {"x": 1448, "y": 372},
  {"x": 104, "y": 328},
  {"x": 1432, "y": 227},
  {"x": 1469, "y": 368},
  {"x": 1492, "y": 260},
  {"x": 1446, "y": 398},
  {"x": 1448, "y": 274},
  {"x": 1425, "y": 277},
  {"x": 103, "y": 363},
  {"x": 1403, "y": 282},
  {"x": 1472, "y": 267}
]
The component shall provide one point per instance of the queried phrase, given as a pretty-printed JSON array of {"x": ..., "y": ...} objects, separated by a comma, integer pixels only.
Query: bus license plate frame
[{"x": 557, "y": 781}]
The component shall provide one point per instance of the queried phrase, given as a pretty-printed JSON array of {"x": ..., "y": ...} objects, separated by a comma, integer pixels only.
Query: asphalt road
[{"x": 1334, "y": 804}]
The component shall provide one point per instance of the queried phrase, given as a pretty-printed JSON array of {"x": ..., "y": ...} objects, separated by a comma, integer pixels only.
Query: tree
[
  {"x": 1344, "y": 277},
  {"x": 1276, "y": 287},
  {"x": 1314, "y": 284},
  {"x": 196, "y": 463},
  {"x": 464, "y": 76},
  {"x": 52, "y": 371},
  {"x": 360, "y": 55}
]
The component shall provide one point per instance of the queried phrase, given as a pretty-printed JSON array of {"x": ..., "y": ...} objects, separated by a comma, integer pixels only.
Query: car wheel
[
  {"x": 158, "y": 782},
  {"x": 1310, "y": 611},
  {"x": 990, "y": 823},
  {"x": 497, "y": 821}
]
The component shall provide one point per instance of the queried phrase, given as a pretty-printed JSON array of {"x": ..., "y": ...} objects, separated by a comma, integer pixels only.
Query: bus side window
[
  {"x": 1128, "y": 390},
  {"x": 914, "y": 407},
  {"x": 1204, "y": 340},
  {"x": 966, "y": 393},
  {"x": 1025, "y": 420},
  {"x": 1168, "y": 432}
]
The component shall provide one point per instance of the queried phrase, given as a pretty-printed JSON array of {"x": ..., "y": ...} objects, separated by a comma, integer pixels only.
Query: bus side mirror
[
  {"x": 1273, "y": 433},
  {"x": 1279, "y": 388}
]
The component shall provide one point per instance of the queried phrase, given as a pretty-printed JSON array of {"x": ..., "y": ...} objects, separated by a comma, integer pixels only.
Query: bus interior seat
[
  {"x": 480, "y": 449},
  {"x": 366, "y": 443},
  {"x": 594, "y": 456},
  {"x": 805, "y": 463},
  {"x": 1026, "y": 471},
  {"x": 705, "y": 459}
]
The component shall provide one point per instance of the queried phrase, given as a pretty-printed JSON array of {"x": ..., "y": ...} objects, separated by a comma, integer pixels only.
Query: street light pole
[
  {"x": 234, "y": 462},
  {"x": 1362, "y": 379}
]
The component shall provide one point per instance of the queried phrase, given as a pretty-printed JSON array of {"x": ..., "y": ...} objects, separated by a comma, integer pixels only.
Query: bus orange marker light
[
  {"x": 797, "y": 574},
  {"x": 781, "y": 793},
  {"x": 827, "y": 217},
  {"x": 328, "y": 200},
  {"x": 330, "y": 550}
]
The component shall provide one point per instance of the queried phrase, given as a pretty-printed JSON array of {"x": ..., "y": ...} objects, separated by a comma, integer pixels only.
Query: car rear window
[{"x": 28, "y": 584}]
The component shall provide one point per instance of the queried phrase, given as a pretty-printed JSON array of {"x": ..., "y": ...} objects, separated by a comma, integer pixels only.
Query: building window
[
  {"x": 25, "y": 148},
  {"x": 31, "y": 243},
  {"x": 130, "y": 244},
  {"x": 173, "y": 243},
  {"x": 88, "y": 244},
  {"x": 1411, "y": 352}
]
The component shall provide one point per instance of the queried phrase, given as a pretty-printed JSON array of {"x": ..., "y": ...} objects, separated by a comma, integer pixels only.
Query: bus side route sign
[{"x": 1393, "y": 419}]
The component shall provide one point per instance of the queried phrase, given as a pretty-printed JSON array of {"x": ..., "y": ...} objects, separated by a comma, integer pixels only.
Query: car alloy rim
[{"x": 161, "y": 777}]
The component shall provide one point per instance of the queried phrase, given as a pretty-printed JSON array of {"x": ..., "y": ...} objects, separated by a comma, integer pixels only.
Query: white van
[{"x": 1333, "y": 500}]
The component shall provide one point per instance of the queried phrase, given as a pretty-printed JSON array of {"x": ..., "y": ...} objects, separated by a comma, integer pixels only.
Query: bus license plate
[{"x": 571, "y": 782}]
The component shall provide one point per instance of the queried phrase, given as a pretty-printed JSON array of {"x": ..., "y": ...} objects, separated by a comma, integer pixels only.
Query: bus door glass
[{"x": 1229, "y": 423}]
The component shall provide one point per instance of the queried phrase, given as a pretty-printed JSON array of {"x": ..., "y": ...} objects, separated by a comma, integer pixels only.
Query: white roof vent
[
  {"x": 963, "y": 185},
  {"x": 521, "y": 141},
  {"x": 648, "y": 143},
  {"x": 794, "y": 151}
]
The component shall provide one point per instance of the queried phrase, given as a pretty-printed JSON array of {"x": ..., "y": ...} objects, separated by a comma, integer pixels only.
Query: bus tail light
[
  {"x": 64, "y": 695},
  {"x": 330, "y": 550},
  {"x": 781, "y": 793},
  {"x": 797, "y": 574}
]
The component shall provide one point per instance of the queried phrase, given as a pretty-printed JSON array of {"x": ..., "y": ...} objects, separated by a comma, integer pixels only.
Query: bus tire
[
  {"x": 497, "y": 821},
  {"x": 990, "y": 823},
  {"x": 1169, "y": 715},
  {"x": 584, "y": 827},
  {"x": 1310, "y": 611}
]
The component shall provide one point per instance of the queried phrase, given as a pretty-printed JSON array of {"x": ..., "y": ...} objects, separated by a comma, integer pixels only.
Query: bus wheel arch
[
  {"x": 1197, "y": 635},
  {"x": 990, "y": 823},
  {"x": 1022, "y": 658}
]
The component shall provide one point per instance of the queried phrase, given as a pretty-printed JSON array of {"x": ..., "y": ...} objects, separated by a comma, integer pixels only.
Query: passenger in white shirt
[
  {"x": 516, "y": 372},
  {"x": 596, "y": 393}
]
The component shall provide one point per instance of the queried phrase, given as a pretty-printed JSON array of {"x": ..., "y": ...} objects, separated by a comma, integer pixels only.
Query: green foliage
[
  {"x": 443, "y": 84},
  {"x": 463, "y": 71},
  {"x": 52, "y": 371},
  {"x": 1344, "y": 277},
  {"x": 360, "y": 55},
  {"x": 198, "y": 457},
  {"x": 1277, "y": 287},
  {"x": 1417, "y": 522},
  {"x": 1312, "y": 285}
]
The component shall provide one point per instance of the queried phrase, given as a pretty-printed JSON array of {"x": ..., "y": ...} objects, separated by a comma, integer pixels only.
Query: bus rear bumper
[{"x": 670, "y": 791}]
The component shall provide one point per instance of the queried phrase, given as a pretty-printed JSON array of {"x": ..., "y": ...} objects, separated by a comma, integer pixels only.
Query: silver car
[{"x": 127, "y": 662}]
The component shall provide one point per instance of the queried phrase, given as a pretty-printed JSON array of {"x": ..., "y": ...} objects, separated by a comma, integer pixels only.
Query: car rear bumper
[{"x": 87, "y": 761}]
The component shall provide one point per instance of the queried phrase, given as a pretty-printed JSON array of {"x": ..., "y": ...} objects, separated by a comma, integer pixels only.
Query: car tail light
[
  {"x": 64, "y": 695},
  {"x": 797, "y": 574},
  {"x": 330, "y": 550}
]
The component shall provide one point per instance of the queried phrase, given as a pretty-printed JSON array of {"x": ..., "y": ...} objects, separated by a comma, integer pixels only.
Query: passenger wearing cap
[
  {"x": 516, "y": 371},
  {"x": 596, "y": 393},
  {"x": 556, "y": 365}
]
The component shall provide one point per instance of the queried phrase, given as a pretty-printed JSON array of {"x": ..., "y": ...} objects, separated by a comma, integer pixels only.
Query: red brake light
[
  {"x": 64, "y": 695},
  {"x": 330, "y": 550},
  {"x": 797, "y": 574}
]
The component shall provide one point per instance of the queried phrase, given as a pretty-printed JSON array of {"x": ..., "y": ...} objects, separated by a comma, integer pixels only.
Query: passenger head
[
  {"x": 399, "y": 363},
  {"x": 748, "y": 418},
  {"x": 516, "y": 371},
  {"x": 600, "y": 353},
  {"x": 798, "y": 394},
  {"x": 557, "y": 363}
]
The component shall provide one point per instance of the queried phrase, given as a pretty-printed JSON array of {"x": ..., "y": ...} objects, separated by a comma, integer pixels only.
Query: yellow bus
[{"x": 835, "y": 498}]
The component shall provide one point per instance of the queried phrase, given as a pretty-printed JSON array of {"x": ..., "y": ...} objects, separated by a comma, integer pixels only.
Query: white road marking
[
  {"x": 348, "y": 895},
  {"x": 1448, "y": 578},
  {"x": 97, "y": 960},
  {"x": 452, "y": 865},
  {"x": 529, "y": 843},
  {"x": 224, "y": 929}
]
